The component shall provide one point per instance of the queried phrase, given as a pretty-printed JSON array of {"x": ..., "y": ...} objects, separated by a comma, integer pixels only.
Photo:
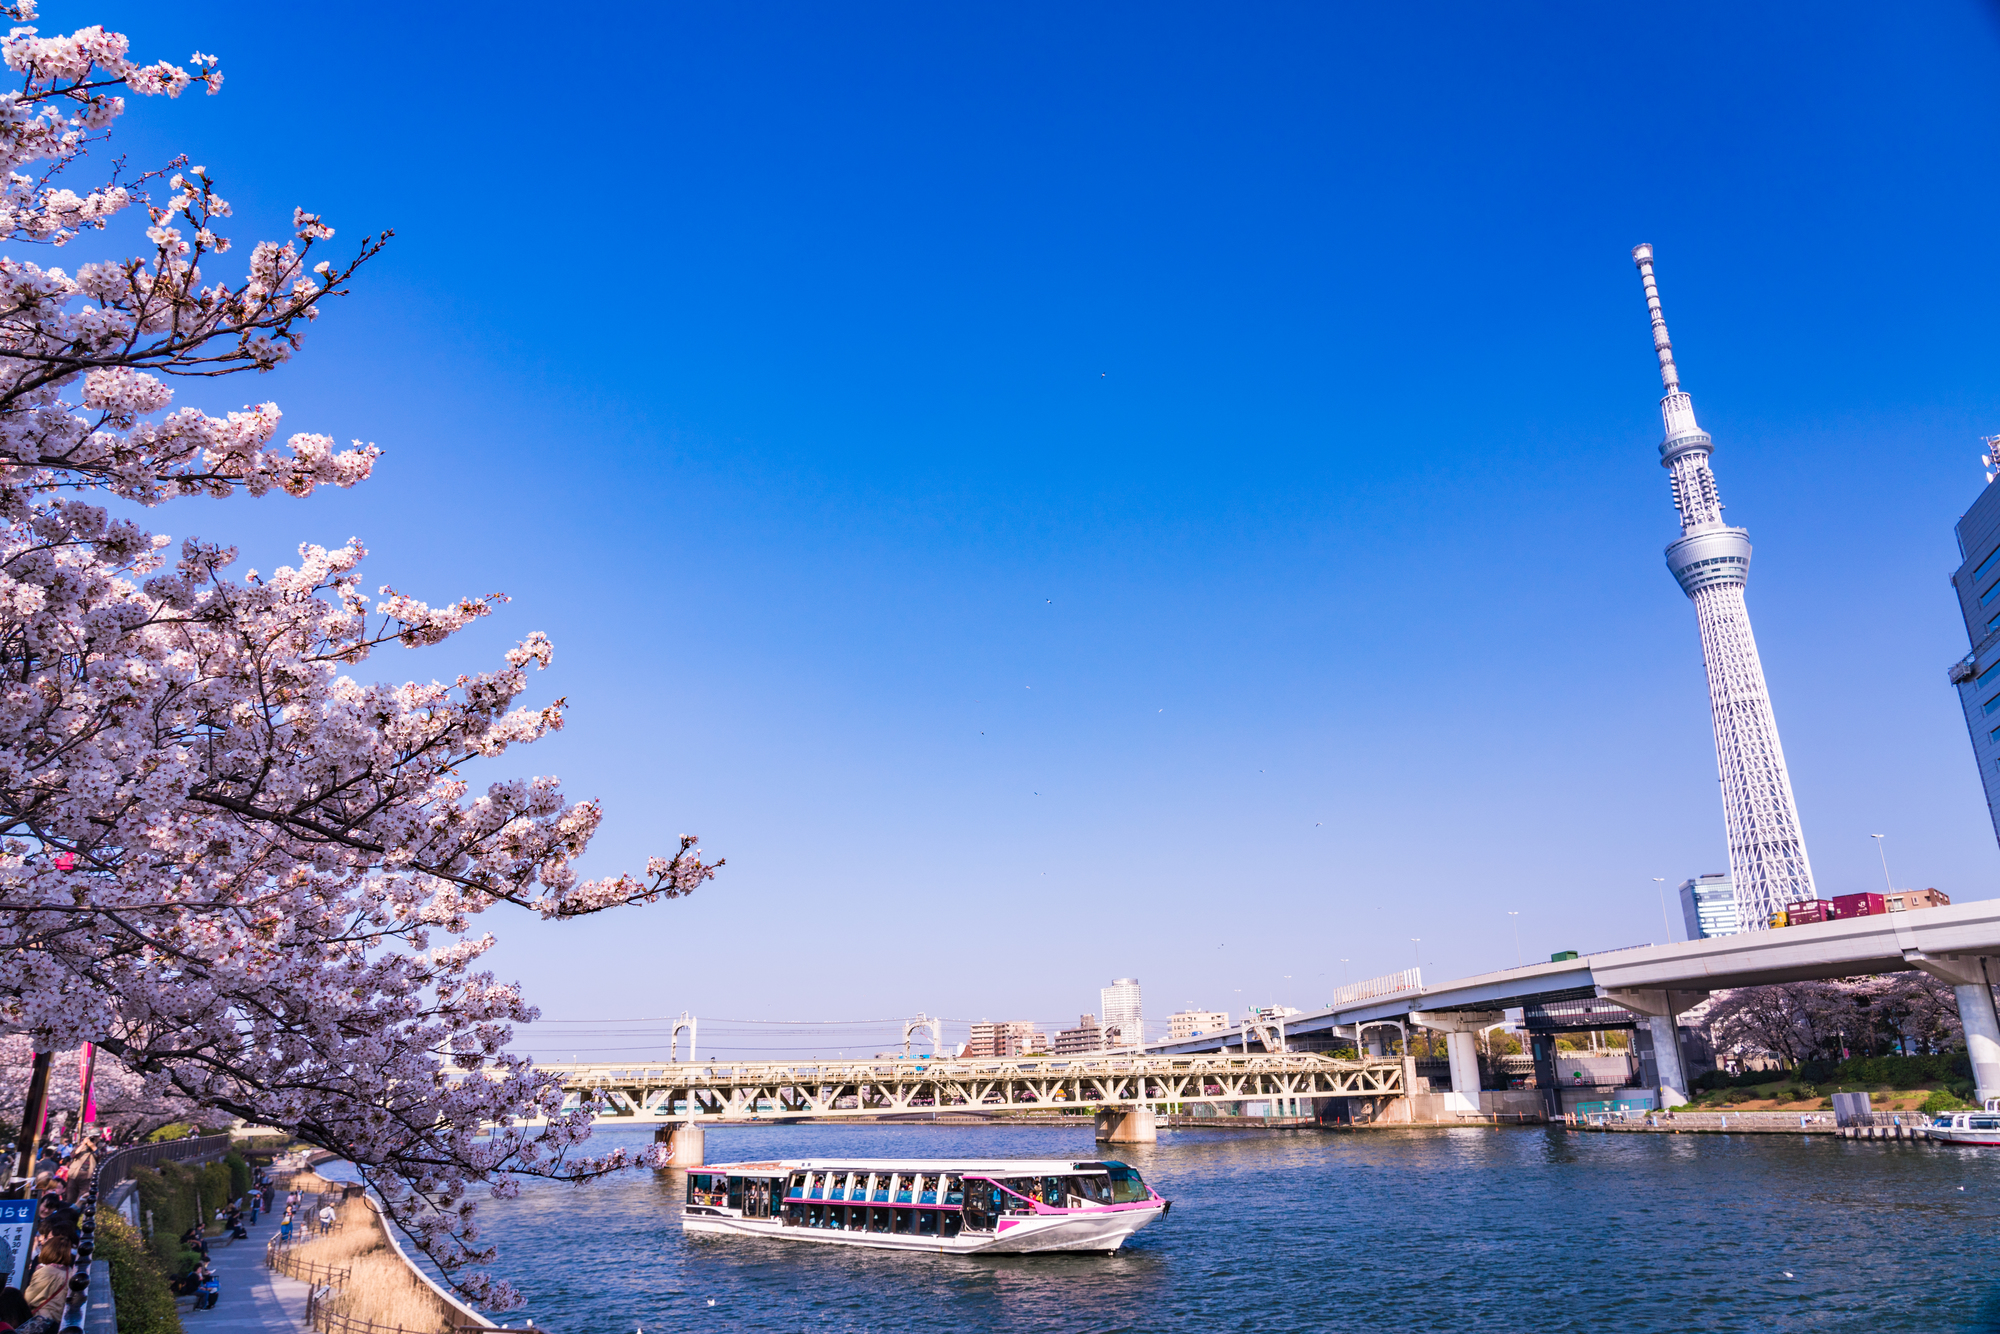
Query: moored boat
[
  {"x": 1004, "y": 1205},
  {"x": 1967, "y": 1127}
]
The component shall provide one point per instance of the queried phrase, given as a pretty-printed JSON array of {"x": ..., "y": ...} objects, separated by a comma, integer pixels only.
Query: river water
[{"x": 1385, "y": 1230}]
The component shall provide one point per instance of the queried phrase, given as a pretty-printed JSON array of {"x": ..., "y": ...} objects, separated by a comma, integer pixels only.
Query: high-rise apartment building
[
  {"x": 1977, "y": 675},
  {"x": 1708, "y": 906},
  {"x": 1008, "y": 1037},
  {"x": 1190, "y": 1024},
  {"x": 1119, "y": 1004},
  {"x": 1711, "y": 562}
]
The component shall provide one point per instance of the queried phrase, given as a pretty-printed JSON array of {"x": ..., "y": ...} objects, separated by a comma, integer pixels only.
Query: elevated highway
[
  {"x": 1123, "y": 1088},
  {"x": 1959, "y": 944}
]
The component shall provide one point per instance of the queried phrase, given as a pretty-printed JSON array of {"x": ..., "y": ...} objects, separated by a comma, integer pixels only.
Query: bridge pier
[
  {"x": 1127, "y": 1125},
  {"x": 684, "y": 1144},
  {"x": 1982, "y": 1038},
  {"x": 1461, "y": 1048}
]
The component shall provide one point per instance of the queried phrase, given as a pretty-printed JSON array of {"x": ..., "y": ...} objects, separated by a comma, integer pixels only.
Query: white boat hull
[
  {"x": 1093, "y": 1231},
  {"x": 1954, "y": 1135}
]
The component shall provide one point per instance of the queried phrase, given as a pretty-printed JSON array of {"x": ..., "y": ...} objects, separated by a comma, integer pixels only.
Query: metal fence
[
  {"x": 118, "y": 1165},
  {"x": 281, "y": 1260}
]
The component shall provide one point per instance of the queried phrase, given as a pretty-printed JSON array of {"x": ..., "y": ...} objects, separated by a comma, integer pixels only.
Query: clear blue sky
[{"x": 1054, "y": 493}]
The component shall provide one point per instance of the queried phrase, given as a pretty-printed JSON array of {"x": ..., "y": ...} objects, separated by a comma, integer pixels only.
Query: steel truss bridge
[{"x": 780, "y": 1090}]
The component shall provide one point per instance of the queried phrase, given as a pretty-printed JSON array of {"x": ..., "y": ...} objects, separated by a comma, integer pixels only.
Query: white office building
[{"x": 1708, "y": 906}]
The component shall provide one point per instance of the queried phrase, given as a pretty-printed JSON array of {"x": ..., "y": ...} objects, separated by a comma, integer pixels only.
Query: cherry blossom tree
[
  {"x": 247, "y": 874},
  {"x": 125, "y": 1104}
]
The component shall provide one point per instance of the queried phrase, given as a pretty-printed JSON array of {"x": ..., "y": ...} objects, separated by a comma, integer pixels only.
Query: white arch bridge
[{"x": 1123, "y": 1089}]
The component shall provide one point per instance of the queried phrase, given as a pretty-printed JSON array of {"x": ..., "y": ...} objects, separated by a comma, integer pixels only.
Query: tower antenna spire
[{"x": 1670, "y": 376}]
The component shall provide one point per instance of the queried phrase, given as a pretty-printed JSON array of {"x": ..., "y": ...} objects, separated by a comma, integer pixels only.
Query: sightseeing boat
[
  {"x": 1007, "y": 1205},
  {"x": 1967, "y": 1127}
]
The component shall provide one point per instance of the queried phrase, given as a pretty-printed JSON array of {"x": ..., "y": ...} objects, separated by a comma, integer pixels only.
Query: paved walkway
[{"x": 254, "y": 1300}]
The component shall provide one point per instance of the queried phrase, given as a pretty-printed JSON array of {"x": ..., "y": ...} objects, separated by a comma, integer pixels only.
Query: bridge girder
[{"x": 768, "y": 1090}]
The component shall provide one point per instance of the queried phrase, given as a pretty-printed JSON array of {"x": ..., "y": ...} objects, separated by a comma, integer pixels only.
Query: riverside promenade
[{"x": 254, "y": 1299}]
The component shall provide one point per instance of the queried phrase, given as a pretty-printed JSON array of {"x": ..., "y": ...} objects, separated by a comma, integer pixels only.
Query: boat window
[
  {"x": 1126, "y": 1187},
  {"x": 878, "y": 1220},
  {"x": 1092, "y": 1189},
  {"x": 927, "y": 1188},
  {"x": 1020, "y": 1196},
  {"x": 796, "y": 1190},
  {"x": 1982, "y": 1123},
  {"x": 903, "y": 1184},
  {"x": 927, "y": 1222},
  {"x": 735, "y": 1192},
  {"x": 954, "y": 1189},
  {"x": 1053, "y": 1193},
  {"x": 709, "y": 1189},
  {"x": 881, "y": 1191},
  {"x": 949, "y": 1223}
]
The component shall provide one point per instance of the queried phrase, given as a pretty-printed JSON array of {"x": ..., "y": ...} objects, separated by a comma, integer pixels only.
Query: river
[{"x": 1387, "y": 1230}]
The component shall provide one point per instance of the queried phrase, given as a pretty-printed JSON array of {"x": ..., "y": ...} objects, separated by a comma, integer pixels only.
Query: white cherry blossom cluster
[{"x": 245, "y": 872}]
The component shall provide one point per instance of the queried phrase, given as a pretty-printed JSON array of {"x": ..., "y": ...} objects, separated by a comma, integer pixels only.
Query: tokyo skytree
[{"x": 1767, "y": 853}]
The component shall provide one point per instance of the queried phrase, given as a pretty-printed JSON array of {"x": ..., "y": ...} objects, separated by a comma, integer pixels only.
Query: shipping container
[
  {"x": 1562, "y": 956},
  {"x": 1859, "y": 905},
  {"x": 1811, "y": 910}
]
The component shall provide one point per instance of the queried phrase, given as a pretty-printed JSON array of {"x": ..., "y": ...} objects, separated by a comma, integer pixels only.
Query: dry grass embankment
[{"x": 381, "y": 1289}]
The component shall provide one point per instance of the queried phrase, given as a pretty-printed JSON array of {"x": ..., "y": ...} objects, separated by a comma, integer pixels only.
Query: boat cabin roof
[{"x": 974, "y": 1166}]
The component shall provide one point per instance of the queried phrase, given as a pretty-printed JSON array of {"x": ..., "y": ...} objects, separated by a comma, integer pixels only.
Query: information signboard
[{"x": 17, "y": 1234}]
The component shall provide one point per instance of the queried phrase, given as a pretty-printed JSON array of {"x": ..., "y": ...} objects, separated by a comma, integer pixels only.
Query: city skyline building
[
  {"x": 1121, "y": 1006},
  {"x": 1186, "y": 1024},
  {"x": 1007, "y": 1037},
  {"x": 1710, "y": 560},
  {"x": 1977, "y": 675},
  {"x": 1087, "y": 1036},
  {"x": 1708, "y": 907}
]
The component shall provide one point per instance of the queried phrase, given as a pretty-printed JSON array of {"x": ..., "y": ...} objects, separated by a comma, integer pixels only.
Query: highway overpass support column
[
  {"x": 1461, "y": 1048},
  {"x": 1658, "y": 1008},
  {"x": 684, "y": 1144},
  {"x": 1127, "y": 1125},
  {"x": 1971, "y": 980}
]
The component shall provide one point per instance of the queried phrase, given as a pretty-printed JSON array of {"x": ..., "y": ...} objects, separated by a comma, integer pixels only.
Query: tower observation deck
[{"x": 1711, "y": 560}]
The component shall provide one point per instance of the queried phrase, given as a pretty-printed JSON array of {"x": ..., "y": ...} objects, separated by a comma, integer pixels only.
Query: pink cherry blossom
[{"x": 244, "y": 870}]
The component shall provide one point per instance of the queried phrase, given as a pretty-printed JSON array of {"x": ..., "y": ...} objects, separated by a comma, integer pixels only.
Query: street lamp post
[
  {"x": 1885, "y": 863},
  {"x": 1665, "y": 921}
]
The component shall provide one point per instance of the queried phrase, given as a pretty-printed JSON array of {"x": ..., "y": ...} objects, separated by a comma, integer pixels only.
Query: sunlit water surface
[{"x": 1473, "y": 1230}]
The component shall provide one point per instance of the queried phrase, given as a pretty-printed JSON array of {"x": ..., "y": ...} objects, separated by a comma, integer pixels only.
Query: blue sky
[{"x": 1059, "y": 493}]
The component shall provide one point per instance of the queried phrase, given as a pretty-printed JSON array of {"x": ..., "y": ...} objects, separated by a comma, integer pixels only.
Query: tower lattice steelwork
[{"x": 1767, "y": 852}]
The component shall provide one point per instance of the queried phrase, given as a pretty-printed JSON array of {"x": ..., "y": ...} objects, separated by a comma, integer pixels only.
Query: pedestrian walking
[
  {"x": 325, "y": 1219},
  {"x": 285, "y": 1229}
]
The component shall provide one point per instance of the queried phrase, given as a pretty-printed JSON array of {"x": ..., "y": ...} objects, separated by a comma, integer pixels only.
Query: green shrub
[
  {"x": 239, "y": 1176},
  {"x": 1943, "y": 1100},
  {"x": 145, "y": 1303},
  {"x": 177, "y": 1130},
  {"x": 172, "y": 1198}
]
